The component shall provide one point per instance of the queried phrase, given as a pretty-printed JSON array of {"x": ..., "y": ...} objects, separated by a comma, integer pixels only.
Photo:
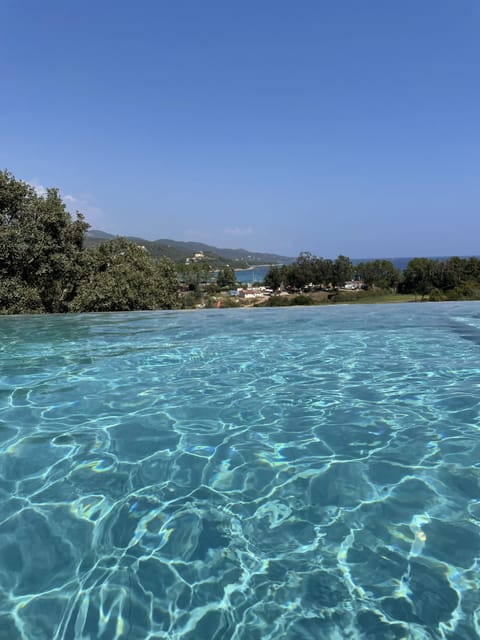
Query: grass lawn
[
  {"x": 363, "y": 297},
  {"x": 366, "y": 297}
]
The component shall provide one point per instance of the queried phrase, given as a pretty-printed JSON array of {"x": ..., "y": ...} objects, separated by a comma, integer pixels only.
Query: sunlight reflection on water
[{"x": 262, "y": 473}]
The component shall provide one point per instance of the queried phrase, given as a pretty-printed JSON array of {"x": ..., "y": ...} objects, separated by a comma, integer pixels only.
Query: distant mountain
[
  {"x": 95, "y": 233},
  {"x": 179, "y": 251}
]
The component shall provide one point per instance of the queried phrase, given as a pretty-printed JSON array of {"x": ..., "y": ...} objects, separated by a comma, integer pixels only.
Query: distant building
[
  {"x": 253, "y": 292},
  {"x": 197, "y": 257},
  {"x": 353, "y": 285}
]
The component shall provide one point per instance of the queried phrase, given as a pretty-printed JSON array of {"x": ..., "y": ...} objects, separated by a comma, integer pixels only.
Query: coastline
[{"x": 257, "y": 266}]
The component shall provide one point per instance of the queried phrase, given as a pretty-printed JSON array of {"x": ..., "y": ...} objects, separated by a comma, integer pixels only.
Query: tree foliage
[
  {"x": 41, "y": 248},
  {"x": 45, "y": 268},
  {"x": 342, "y": 271},
  {"x": 452, "y": 279},
  {"x": 195, "y": 273},
  {"x": 419, "y": 276},
  {"x": 121, "y": 276},
  {"x": 379, "y": 273},
  {"x": 309, "y": 270},
  {"x": 274, "y": 278},
  {"x": 226, "y": 278}
]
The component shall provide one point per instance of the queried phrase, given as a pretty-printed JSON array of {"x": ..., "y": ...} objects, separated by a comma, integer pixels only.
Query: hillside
[{"x": 180, "y": 251}]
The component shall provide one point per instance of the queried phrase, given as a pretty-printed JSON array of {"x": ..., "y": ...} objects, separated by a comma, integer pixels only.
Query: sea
[{"x": 241, "y": 474}]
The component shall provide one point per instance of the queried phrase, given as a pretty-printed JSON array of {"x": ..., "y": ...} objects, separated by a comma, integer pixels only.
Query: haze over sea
[{"x": 255, "y": 474}]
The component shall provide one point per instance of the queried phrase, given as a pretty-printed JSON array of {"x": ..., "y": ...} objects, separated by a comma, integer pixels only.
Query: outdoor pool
[{"x": 251, "y": 474}]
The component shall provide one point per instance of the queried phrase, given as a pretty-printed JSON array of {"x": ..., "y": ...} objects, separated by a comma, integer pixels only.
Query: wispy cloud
[
  {"x": 238, "y": 231},
  {"x": 69, "y": 198},
  {"x": 40, "y": 190}
]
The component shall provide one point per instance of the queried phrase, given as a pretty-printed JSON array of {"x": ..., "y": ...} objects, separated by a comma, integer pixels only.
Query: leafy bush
[
  {"x": 464, "y": 291},
  {"x": 436, "y": 295},
  {"x": 18, "y": 297},
  {"x": 41, "y": 248},
  {"x": 122, "y": 276}
]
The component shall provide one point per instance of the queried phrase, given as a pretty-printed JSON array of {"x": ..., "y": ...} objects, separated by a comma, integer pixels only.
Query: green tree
[
  {"x": 41, "y": 248},
  {"x": 273, "y": 278},
  {"x": 195, "y": 273},
  {"x": 420, "y": 276},
  {"x": 167, "y": 293},
  {"x": 342, "y": 271},
  {"x": 226, "y": 278},
  {"x": 18, "y": 297},
  {"x": 454, "y": 272},
  {"x": 122, "y": 276},
  {"x": 379, "y": 273},
  {"x": 323, "y": 271},
  {"x": 307, "y": 269},
  {"x": 472, "y": 269},
  {"x": 300, "y": 273}
]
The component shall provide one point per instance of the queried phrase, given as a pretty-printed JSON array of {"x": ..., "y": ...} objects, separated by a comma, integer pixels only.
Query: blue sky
[{"x": 330, "y": 126}]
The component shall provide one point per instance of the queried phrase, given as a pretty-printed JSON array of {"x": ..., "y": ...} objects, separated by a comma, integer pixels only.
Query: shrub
[
  {"x": 436, "y": 295},
  {"x": 464, "y": 291}
]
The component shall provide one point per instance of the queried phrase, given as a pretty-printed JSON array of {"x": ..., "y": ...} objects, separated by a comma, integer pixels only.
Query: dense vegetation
[
  {"x": 451, "y": 279},
  {"x": 45, "y": 268},
  {"x": 309, "y": 270}
]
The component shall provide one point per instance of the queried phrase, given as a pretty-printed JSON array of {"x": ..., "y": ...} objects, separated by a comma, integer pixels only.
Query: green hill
[{"x": 180, "y": 251}]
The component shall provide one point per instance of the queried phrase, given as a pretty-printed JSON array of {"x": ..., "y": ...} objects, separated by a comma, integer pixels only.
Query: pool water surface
[{"x": 249, "y": 474}]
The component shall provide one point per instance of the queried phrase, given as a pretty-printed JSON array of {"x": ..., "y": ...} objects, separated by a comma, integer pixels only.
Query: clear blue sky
[{"x": 332, "y": 126}]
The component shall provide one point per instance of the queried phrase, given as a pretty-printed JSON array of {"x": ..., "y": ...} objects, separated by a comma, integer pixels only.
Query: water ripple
[{"x": 286, "y": 473}]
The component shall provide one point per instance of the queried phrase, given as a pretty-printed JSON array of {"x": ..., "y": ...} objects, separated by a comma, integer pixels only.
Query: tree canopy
[
  {"x": 121, "y": 276},
  {"x": 310, "y": 270},
  {"x": 44, "y": 267},
  {"x": 41, "y": 248},
  {"x": 452, "y": 279},
  {"x": 379, "y": 273},
  {"x": 226, "y": 278}
]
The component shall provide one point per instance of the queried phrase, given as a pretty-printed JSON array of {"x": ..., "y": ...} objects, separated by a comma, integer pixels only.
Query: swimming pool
[{"x": 241, "y": 474}]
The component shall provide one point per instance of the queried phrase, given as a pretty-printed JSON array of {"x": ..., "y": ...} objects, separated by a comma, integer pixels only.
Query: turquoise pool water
[{"x": 241, "y": 474}]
